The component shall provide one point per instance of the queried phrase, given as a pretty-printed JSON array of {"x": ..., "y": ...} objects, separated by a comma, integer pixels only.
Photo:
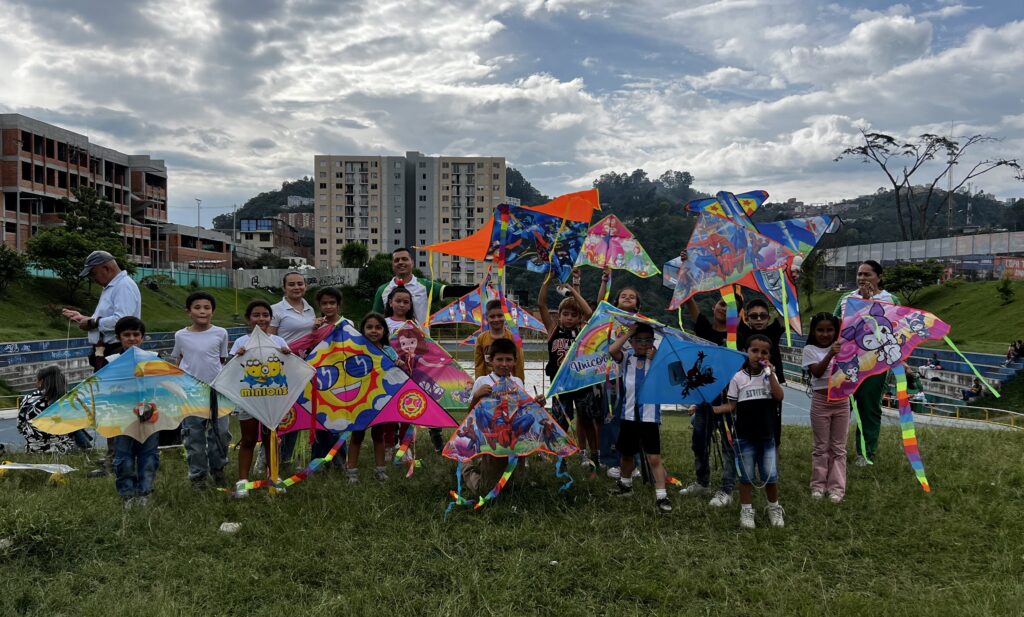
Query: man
[{"x": 120, "y": 298}]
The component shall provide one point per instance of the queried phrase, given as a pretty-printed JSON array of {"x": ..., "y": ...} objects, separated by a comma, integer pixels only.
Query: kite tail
[
  {"x": 785, "y": 307},
  {"x": 732, "y": 316},
  {"x": 563, "y": 474},
  {"x": 456, "y": 495},
  {"x": 907, "y": 427},
  {"x": 403, "y": 445},
  {"x": 513, "y": 461},
  {"x": 949, "y": 342},
  {"x": 860, "y": 430},
  {"x": 315, "y": 464},
  {"x": 674, "y": 481},
  {"x": 679, "y": 315}
]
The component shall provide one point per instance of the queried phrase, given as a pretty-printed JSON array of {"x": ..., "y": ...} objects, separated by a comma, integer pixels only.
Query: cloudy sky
[{"x": 238, "y": 95}]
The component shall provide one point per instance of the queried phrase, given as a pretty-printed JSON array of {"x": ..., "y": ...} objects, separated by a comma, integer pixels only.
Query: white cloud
[
  {"x": 945, "y": 12},
  {"x": 733, "y": 77}
]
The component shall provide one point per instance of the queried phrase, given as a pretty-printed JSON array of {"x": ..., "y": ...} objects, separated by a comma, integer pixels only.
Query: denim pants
[
  {"x": 206, "y": 448},
  {"x": 757, "y": 456},
  {"x": 135, "y": 464},
  {"x": 704, "y": 423},
  {"x": 322, "y": 444}
]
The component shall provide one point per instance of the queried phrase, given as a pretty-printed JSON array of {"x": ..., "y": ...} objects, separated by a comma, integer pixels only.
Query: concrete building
[
  {"x": 270, "y": 235},
  {"x": 194, "y": 248},
  {"x": 386, "y": 202},
  {"x": 41, "y": 163}
]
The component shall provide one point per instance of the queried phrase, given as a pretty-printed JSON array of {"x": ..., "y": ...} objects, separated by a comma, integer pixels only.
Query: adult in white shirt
[
  {"x": 420, "y": 288},
  {"x": 120, "y": 297},
  {"x": 292, "y": 319}
]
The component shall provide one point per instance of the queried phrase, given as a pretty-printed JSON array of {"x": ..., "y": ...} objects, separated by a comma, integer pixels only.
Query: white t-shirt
[
  {"x": 242, "y": 340},
  {"x": 290, "y": 323},
  {"x": 813, "y": 355},
  {"x": 393, "y": 324},
  {"x": 200, "y": 354},
  {"x": 492, "y": 379},
  {"x": 632, "y": 376}
]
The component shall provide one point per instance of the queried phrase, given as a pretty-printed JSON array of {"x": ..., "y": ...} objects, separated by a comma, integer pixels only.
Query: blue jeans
[
  {"x": 757, "y": 454},
  {"x": 704, "y": 423},
  {"x": 206, "y": 448},
  {"x": 135, "y": 464}
]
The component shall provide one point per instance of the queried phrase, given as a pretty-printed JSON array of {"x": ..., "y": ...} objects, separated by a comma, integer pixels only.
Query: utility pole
[
  {"x": 949, "y": 189},
  {"x": 199, "y": 239}
]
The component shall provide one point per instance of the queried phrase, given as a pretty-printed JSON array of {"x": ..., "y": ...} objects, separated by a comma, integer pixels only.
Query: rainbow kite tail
[
  {"x": 403, "y": 445},
  {"x": 907, "y": 427},
  {"x": 563, "y": 474},
  {"x": 674, "y": 481},
  {"x": 315, "y": 464},
  {"x": 732, "y": 316},
  {"x": 513, "y": 461}
]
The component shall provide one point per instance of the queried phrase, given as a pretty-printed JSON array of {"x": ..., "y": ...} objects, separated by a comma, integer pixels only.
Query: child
[
  {"x": 482, "y": 361},
  {"x": 201, "y": 350},
  {"x": 572, "y": 311},
  {"x": 398, "y": 308},
  {"x": 758, "y": 320},
  {"x": 830, "y": 420},
  {"x": 50, "y": 386},
  {"x": 638, "y": 426},
  {"x": 259, "y": 314},
  {"x": 135, "y": 464},
  {"x": 375, "y": 328},
  {"x": 751, "y": 395},
  {"x": 329, "y": 301},
  {"x": 484, "y": 470}
]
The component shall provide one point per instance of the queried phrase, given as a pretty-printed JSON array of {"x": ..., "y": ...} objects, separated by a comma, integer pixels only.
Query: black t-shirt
[
  {"x": 558, "y": 345},
  {"x": 706, "y": 331},
  {"x": 774, "y": 332},
  {"x": 755, "y": 408}
]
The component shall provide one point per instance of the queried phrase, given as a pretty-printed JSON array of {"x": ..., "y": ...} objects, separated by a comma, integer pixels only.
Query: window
[
  {"x": 338, "y": 185},
  {"x": 373, "y": 187},
  {"x": 423, "y": 264},
  {"x": 398, "y": 232},
  {"x": 338, "y": 174},
  {"x": 323, "y": 163},
  {"x": 398, "y": 164},
  {"x": 373, "y": 230},
  {"x": 373, "y": 176},
  {"x": 323, "y": 185},
  {"x": 423, "y": 197},
  {"x": 373, "y": 164},
  {"x": 423, "y": 164},
  {"x": 481, "y": 198},
  {"x": 322, "y": 252},
  {"x": 479, "y": 165},
  {"x": 444, "y": 176},
  {"x": 323, "y": 240},
  {"x": 444, "y": 165},
  {"x": 444, "y": 198},
  {"x": 337, "y": 163},
  {"x": 445, "y": 221},
  {"x": 323, "y": 174},
  {"x": 398, "y": 176},
  {"x": 424, "y": 176},
  {"x": 397, "y": 242},
  {"x": 494, "y": 176},
  {"x": 496, "y": 164},
  {"x": 479, "y": 210},
  {"x": 339, "y": 240}
]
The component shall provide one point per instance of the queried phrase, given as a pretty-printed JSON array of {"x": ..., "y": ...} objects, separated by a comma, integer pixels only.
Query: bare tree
[{"x": 901, "y": 160}]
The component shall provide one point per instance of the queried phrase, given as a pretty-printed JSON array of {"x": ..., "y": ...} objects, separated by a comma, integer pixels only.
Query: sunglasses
[{"x": 757, "y": 315}]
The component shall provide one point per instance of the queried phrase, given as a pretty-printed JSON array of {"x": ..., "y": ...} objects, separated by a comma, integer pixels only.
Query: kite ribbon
[
  {"x": 860, "y": 430},
  {"x": 513, "y": 461},
  {"x": 272, "y": 462},
  {"x": 679, "y": 315},
  {"x": 785, "y": 307},
  {"x": 907, "y": 427},
  {"x": 312, "y": 467},
  {"x": 456, "y": 495},
  {"x": 732, "y": 317},
  {"x": 949, "y": 342},
  {"x": 561, "y": 474}
]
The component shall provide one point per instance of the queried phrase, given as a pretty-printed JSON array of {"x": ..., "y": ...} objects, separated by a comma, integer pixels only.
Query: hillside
[{"x": 269, "y": 203}]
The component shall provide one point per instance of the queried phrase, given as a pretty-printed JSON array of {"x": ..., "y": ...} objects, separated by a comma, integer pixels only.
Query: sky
[{"x": 239, "y": 95}]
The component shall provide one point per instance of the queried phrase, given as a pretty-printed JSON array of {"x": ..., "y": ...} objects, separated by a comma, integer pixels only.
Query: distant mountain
[{"x": 270, "y": 203}]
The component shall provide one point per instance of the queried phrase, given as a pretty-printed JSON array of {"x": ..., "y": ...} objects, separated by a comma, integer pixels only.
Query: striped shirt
[{"x": 633, "y": 370}]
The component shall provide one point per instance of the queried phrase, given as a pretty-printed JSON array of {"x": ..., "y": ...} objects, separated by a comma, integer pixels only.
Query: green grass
[{"x": 328, "y": 548}]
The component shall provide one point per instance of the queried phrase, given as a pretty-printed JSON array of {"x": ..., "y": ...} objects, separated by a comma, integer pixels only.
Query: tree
[
  {"x": 90, "y": 224},
  {"x": 268, "y": 203},
  {"x": 1005, "y": 291},
  {"x": 12, "y": 266},
  {"x": 908, "y": 279},
  {"x": 375, "y": 273},
  {"x": 916, "y": 206},
  {"x": 517, "y": 186},
  {"x": 807, "y": 281},
  {"x": 354, "y": 255}
]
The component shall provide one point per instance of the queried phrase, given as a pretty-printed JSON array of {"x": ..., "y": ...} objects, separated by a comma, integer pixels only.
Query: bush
[
  {"x": 13, "y": 266},
  {"x": 1005, "y": 291}
]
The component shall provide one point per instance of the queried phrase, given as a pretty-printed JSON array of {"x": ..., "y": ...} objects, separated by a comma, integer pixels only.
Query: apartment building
[
  {"x": 41, "y": 163},
  {"x": 270, "y": 235},
  {"x": 194, "y": 248},
  {"x": 387, "y": 202}
]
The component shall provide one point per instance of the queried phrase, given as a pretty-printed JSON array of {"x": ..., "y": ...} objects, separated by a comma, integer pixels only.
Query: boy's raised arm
[
  {"x": 542, "y": 306},
  {"x": 615, "y": 349}
]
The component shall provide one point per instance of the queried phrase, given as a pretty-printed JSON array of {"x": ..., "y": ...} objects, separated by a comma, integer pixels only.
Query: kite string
[
  {"x": 974, "y": 370},
  {"x": 430, "y": 291},
  {"x": 860, "y": 430}
]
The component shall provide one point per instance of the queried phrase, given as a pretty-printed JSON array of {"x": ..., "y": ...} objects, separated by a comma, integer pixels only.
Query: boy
[
  {"x": 135, "y": 464},
  {"x": 483, "y": 363},
  {"x": 485, "y": 470},
  {"x": 758, "y": 320},
  {"x": 201, "y": 350},
  {"x": 638, "y": 429},
  {"x": 753, "y": 393}
]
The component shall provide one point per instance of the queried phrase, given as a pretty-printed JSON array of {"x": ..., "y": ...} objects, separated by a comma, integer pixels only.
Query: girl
[
  {"x": 830, "y": 420},
  {"x": 375, "y": 328},
  {"x": 50, "y": 386},
  {"x": 398, "y": 308},
  {"x": 259, "y": 314}
]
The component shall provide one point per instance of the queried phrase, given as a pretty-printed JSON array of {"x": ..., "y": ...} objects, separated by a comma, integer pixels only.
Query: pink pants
[{"x": 830, "y": 421}]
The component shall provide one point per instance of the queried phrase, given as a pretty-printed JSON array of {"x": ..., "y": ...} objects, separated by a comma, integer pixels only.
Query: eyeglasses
[
  {"x": 643, "y": 341},
  {"x": 757, "y": 315}
]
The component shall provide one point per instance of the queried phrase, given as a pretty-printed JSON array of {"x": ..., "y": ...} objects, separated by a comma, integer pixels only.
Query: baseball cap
[{"x": 94, "y": 259}]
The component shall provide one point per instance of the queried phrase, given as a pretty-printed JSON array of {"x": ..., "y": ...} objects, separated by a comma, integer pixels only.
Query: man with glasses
[{"x": 759, "y": 321}]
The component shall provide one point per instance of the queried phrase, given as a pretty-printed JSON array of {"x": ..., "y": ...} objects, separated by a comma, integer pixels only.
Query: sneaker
[
  {"x": 835, "y": 499},
  {"x": 816, "y": 494},
  {"x": 99, "y": 472},
  {"x": 776, "y": 515},
  {"x": 199, "y": 484},
  {"x": 614, "y": 473},
  {"x": 860, "y": 461},
  {"x": 720, "y": 500},
  {"x": 664, "y": 505},
  {"x": 219, "y": 478},
  {"x": 389, "y": 455},
  {"x": 353, "y": 476},
  {"x": 141, "y": 501},
  {"x": 636, "y": 472},
  {"x": 380, "y": 474},
  {"x": 621, "y": 490},
  {"x": 127, "y": 503},
  {"x": 693, "y": 488},
  {"x": 240, "y": 491},
  {"x": 747, "y": 518}
]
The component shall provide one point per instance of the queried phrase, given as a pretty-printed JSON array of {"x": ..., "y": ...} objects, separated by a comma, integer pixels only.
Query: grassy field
[{"x": 329, "y": 548}]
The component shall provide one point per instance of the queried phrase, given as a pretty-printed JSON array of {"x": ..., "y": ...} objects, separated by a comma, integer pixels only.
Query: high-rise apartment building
[
  {"x": 386, "y": 202},
  {"x": 41, "y": 163}
]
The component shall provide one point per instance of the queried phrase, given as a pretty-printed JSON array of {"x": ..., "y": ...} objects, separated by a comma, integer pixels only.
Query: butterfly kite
[
  {"x": 876, "y": 337},
  {"x": 609, "y": 244},
  {"x": 506, "y": 424},
  {"x": 137, "y": 394}
]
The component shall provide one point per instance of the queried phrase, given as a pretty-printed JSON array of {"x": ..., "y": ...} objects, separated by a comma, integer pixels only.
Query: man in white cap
[{"x": 120, "y": 297}]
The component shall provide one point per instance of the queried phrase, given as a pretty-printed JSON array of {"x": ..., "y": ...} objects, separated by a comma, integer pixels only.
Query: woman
[
  {"x": 50, "y": 386},
  {"x": 292, "y": 319},
  {"x": 868, "y": 397}
]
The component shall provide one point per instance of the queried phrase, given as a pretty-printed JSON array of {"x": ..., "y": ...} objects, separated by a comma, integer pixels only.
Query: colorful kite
[
  {"x": 469, "y": 309},
  {"x": 506, "y": 424},
  {"x": 609, "y": 244},
  {"x": 876, "y": 337},
  {"x": 137, "y": 395},
  {"x": 726, "y": 205},
  {"x": 683, "y": 371},
  {"x": 263, "y": 381},
  {"x": 431, "y": 367}
]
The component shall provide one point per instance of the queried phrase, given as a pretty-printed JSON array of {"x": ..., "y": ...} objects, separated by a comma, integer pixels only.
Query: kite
[
  {"x": 137, "y": 394},
  {"x": 726, "y": 205},
  {"x": 876, "y": 337},
  {"x": 470, "y": 309},
  {"x": 431, "y": 367},
  {"x": 506, "y": 424},
  {"x": 609, "y": 244},
  {"x": 57, "y": 471},
  {"x": 687, "y": 372},
  {"x": 263, "y": 381}
]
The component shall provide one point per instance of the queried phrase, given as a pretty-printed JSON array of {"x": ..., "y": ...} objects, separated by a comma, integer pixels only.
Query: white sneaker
[
  {"x": 720, "y": 500},
  {"x": 835, "y": 499},
  {"x": 614, "y": 473},
  {"x": 816, "y": 494},
  {"x": 860, "y": 461},
  {"x": 353, "y": 476},
  {"x": 380, "y": 474},
  {"x": 240, "y": 491},
  {"x": 776, "y": 515},
  {"x": 636, "y": 473},
  {"x": 747, "y": 518},
  {"x": 693, "y": 488},
  {"x": 389, "y": 454}
]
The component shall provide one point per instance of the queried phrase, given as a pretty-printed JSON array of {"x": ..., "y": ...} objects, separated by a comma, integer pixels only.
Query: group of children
[{"x": 747, "y": 414}]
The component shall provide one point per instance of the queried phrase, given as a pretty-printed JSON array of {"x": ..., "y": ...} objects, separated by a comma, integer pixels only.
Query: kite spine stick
[
  {"x": 785, "y": 307},
  {"x": 860, "y": 430}
]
